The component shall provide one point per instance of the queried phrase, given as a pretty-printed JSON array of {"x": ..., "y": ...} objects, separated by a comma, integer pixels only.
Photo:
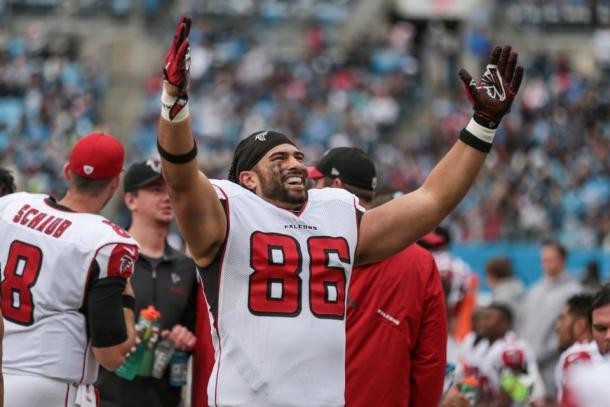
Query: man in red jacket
[{"x": 396, "y": 318}]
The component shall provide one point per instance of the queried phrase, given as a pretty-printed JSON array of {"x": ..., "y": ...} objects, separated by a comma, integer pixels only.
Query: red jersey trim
[
  {"x": 300, "y": 212},
  {"x": 220, "y": 267},
  {"x": 67, "y": 393},
  {"x": 359, "y": 215}
]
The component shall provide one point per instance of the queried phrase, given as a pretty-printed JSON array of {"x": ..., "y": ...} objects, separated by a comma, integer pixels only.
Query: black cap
[
  {"x": 141, "y": 174},
  {"x": 250, "y": 150},
  {"x": 350, "y": 164}
]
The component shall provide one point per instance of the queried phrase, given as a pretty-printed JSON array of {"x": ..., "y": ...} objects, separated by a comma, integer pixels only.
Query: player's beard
[{"x": 274, "y": 189}]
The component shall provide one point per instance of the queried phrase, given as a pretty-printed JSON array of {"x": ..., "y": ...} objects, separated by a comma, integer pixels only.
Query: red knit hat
[{"x": 97, "y": 156}]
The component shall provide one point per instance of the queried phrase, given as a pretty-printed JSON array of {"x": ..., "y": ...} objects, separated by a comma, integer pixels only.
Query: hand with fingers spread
[
  {"x": 176, "y": 74},
  {"x": 491, "y": 97}
]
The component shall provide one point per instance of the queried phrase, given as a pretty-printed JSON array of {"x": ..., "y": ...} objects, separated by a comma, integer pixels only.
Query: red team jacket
[
  {"x": 396, "y": 332},
  {"x": 396, "y": 335}
]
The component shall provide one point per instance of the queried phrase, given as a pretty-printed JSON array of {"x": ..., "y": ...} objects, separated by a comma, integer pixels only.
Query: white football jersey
[
  {"x": 587, "y": 385},
  {"x": 513, "y": 353},
  {"x": 472, "y": 356},
  {"x": 579, "y": 352},
  {"x": 47, "y": 257},
  {"x": 278, "y": 298}
]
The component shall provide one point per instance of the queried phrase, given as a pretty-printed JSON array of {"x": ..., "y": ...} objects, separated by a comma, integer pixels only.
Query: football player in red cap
[{"x": 66, "y": 300}]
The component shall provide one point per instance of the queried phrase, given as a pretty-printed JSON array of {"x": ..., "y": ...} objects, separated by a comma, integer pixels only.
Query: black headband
[{"x": 250, "y": 150}]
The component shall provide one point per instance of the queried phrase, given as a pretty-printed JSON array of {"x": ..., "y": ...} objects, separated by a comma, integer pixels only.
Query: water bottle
[
  {"x": 450, "y": 372},
  {"x": 152, "y": 337},
  {"x": 144, "y": 330},
  {"x": 178, "y": 368},
  {"x": 163, "y": 354}
]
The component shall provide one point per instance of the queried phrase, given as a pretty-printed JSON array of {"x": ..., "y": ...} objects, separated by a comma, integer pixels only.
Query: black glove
[
  {"x": 493, "y": 96},
  {"x": 178, "y": 64}
]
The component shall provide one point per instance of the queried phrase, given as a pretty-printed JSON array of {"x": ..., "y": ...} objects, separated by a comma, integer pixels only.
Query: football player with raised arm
[
  {"x": 65, "y": 298},
  {"x": 276, "y": 260}
]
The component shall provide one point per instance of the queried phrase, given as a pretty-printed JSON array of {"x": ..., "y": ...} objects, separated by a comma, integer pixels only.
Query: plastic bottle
[
  {"x": 471, "y": 389},
  {"x": 149, "y": 317},
  {"x": 163, "y": 354},
  {"x": 450, "y": 372},
  {"x": 178, "y": 369},
  {"x": 151, "y": 337}
]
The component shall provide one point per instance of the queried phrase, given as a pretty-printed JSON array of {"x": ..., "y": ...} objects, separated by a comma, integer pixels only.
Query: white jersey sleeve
[
  {"x": 116, "y": 260},
  {"x": 577, "y": 354},
  {"x": 472, "y": 355},
  {"x": 587, "y": 385}
]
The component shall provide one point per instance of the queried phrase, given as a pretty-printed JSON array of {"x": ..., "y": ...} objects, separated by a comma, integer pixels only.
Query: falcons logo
[
  {"x": 492, "y": 83},
  {"x": 154, "y": 165},
  {"x": 126, "y": 264},
  {"x": 261, "y": 136},
  {"x": 122, "y": 260}
]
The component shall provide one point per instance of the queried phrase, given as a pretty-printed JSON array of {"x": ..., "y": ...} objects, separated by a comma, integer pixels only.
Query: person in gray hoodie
[{"x": 542, "y": 306}]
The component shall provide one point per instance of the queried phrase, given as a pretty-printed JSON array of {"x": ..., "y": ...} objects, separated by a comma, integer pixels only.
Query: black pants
[{"x": 140, "y": 392}]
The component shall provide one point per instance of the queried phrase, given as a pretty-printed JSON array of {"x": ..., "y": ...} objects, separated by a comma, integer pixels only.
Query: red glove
[
  {"x": 493, "y": 96},
  {"x": 178, "y": 64}
]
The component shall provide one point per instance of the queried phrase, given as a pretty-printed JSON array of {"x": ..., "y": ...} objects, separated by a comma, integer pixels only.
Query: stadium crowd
[
  {"x": 50, "y": 93},
  {"x": 549, "y": 173},
  {"x": 322, "y": 97}
]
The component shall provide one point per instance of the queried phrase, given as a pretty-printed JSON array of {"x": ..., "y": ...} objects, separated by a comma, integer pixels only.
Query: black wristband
[
  {"x": 177, "y": 158},
  {"x": 129, "y": 302},
  {"x": 485, "y": 122},
  {"x": 474, "y": 141}
]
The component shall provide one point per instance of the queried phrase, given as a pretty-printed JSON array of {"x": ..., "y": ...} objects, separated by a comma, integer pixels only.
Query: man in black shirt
[{"x": 163, "y": 277}]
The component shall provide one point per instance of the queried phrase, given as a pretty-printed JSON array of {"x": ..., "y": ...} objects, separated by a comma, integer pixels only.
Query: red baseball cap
[
  {"x": 314, "y": 173},
  {"x": 439, "y": 237},
  {"x": 433, "y": 239},
  {"x": 97, "y": 156}
]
